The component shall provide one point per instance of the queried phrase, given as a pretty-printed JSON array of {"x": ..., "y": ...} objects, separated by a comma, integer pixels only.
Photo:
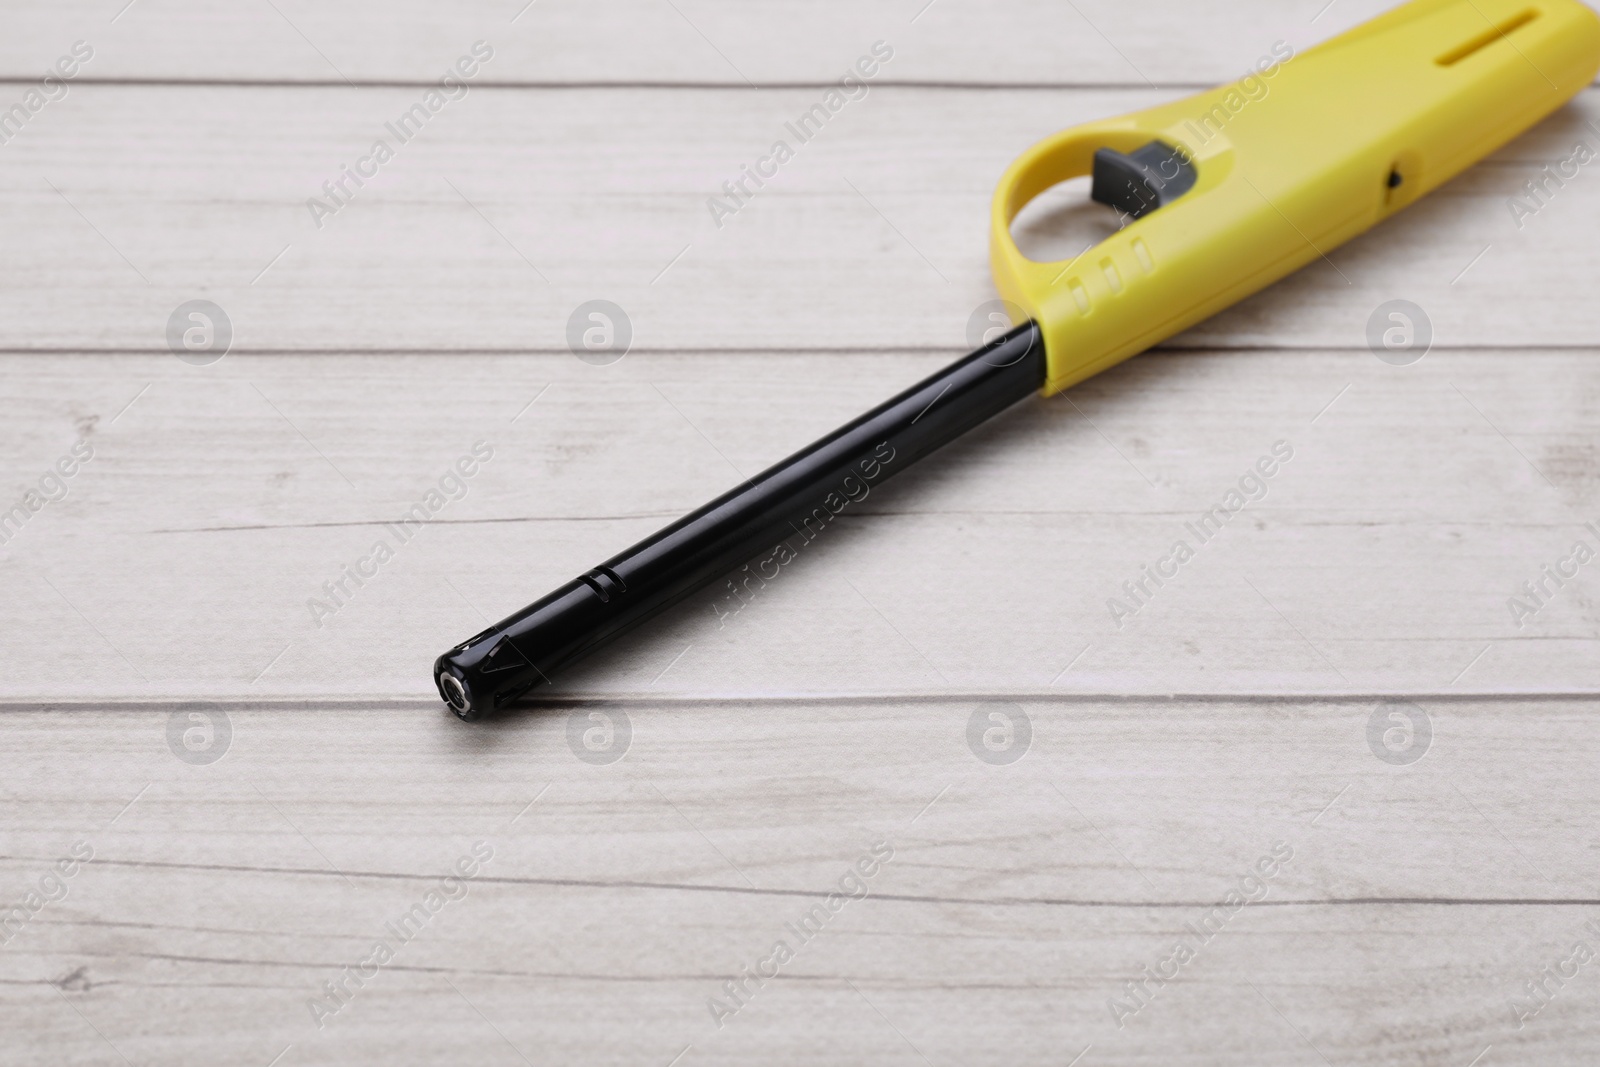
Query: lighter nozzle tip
[{"x": 455, "y": 694}]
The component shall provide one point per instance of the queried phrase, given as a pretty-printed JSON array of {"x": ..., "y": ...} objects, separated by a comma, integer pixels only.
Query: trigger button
[{"x": 1142, "y": 181}]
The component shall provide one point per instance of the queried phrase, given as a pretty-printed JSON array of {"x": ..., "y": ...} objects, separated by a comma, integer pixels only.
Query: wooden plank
[
  {"x": 768, "y": 750},
  {"x": 1017, "y": 903},
  {"x": 185, "y": 557},
  {"x": 132, "y": 200},
  {"x": 689, "y": 41}
]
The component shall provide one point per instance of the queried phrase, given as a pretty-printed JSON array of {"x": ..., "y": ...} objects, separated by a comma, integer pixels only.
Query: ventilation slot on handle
[{"x": 1487, "y": 38}]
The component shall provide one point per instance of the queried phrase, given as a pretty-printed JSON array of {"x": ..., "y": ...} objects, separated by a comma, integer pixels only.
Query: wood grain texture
[
  {"x": 1272, "y": 695},
  {"x": 720, "y": 42},
  {"x": 511, "y": 208},
  {"x": 1018, "y": 900},
  {"x": 184, "y": 559}
]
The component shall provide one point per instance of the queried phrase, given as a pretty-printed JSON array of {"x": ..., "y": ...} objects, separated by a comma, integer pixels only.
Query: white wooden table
[{"x": 1332, "y": 709}]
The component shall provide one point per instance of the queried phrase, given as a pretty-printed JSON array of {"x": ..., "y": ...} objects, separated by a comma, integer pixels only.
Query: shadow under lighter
[{"x": 489, "y": 671}]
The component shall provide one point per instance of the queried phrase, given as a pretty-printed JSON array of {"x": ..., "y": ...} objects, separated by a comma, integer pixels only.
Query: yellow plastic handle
[{"x": 1289, "y": 164}]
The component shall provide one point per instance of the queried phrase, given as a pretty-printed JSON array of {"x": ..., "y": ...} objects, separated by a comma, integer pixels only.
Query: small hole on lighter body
[
  {"x": 454, "y": 693},
  {"x": 1392, "y": 194}
]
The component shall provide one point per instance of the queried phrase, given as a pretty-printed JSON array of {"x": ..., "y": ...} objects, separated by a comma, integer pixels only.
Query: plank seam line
[
  {"x": 622, "y": 85},
  {"x": 526, "y": 711},
  {"x": 865, "y": 515},
  {"x": 657, "y": 85},
  {"x": 762, "y": 350}
]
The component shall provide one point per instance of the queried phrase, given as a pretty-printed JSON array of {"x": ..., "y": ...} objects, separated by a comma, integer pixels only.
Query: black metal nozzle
[{"x": 792, "y": 499}]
